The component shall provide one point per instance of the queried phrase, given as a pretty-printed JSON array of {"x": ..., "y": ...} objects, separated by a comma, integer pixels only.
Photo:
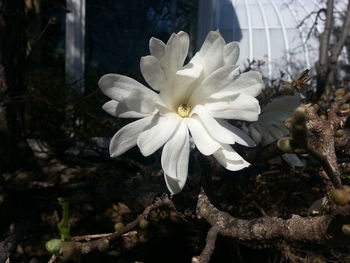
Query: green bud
[
  {"x": 339, "y": 93},
  {"x": 316, "y": 107},
  {"x": 288, "y": 123},
  {"x": 344, "y": 109},
  {"x": 339, "y": 133},
  {"x": 118, "y": 226},
  {"x": 143, "y": 223},
  {"x": 299, "y": 114},
  {"x": 340, "y": 197},
  {"x": 54, "y": 246},
  {"x": 285, "y": 144},
  {"x": 346, "y": 229}
]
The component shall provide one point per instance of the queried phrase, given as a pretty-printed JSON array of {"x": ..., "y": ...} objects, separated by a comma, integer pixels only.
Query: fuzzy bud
[
  {"x": 339, "y": 93},
  {"x": 288, "y": 123},
  {"x": 143, "y": 223},
  {"x": 54, "y": 246},
  {"x": 299, "y": 114},
  {"x": 339, "y": 133},
  {"x": 118, "y": 226},
  {"x": 346, "y": 229},
  {"x": 316, "y": 107},
  {"x": 340, "y": 197},
  {"x": 344, "y": 109},
  {"x": 285, "y": 144}
]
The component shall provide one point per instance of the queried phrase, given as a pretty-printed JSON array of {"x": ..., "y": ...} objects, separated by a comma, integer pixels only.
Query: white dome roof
[{"x": 267, "y": 30}]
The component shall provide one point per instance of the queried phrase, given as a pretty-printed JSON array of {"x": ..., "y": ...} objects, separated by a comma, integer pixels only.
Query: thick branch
[
  {"x": 320, "y": 142},
  {"x": 311, "y": 229}
]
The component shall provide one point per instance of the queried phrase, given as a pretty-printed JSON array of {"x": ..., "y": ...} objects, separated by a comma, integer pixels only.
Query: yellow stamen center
[{"x": 183, "y": 110}]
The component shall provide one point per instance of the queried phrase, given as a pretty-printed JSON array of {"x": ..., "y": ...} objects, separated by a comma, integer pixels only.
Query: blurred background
[{"x": 53, "y": 52}]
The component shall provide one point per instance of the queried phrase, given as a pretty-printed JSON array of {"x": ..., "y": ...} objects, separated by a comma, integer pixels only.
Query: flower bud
[
  {"x": 288, "y": 123},
  {"x": 54, "y": 246},
  {"x": 143, "y": 223},
  {"x": 346, "y": 229},
  {"x": 299, "y": 114},
  {"x": 339, "y": 93},
  {"x": 118, "y": 226},
  {"x": 340, "y": 197},
  {"x": 339, "y": 133},
  {"x": 285, "y": 144},
  {"x": 344, "y": 109},
  {"x": 316, "y": 107}
]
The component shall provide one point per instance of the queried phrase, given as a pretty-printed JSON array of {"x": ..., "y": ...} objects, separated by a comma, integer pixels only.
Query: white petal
[
  {"x": 204, "y": 142},
  {"x": 231, "y": 53},
  {"x": 191, "y": 71},
  {"x": 138, "y": 102},
  {"x": 156, "y": 47},
  {"x": 183, "y": 81},
  {"x": 241, "y": 107},
  {"x": 119, "y": 109},
  {"x": 185, "y": 44},
  {"x": 152, "y": 72},
  {"x": 117, "y": 87},
  {"x": 175, "y": 157},
  {"x": 218, "y": 132},
  {"x": 240, "y": 136},
  {"x": 230, "y": 159},
  {"x": 152, "y": 139},
  {"x": 126, "y": 137},
  {"x": 216, "y": 81},
  {"x": 249, "y": 83},
  {"x": 209, "y": 41},
  {"x": 175, "y": 54},
  {"x": 212, "y": 52}
]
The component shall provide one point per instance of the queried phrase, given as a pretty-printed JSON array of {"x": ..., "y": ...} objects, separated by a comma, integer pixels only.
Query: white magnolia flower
[
  {"x": 270, "y": 126},
  {"x": 191, "y": 100}
]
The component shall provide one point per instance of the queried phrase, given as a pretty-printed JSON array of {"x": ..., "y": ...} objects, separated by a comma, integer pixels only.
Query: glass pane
[{"x": 259, "y": 45}]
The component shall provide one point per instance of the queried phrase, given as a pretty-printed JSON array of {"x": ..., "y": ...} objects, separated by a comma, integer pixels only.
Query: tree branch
[
  {"x": 209, "y": 245},
  {"x": 335, "y": 51},
  {"x": 325, "y": 36},
  {"x": 301, "y": 229}
]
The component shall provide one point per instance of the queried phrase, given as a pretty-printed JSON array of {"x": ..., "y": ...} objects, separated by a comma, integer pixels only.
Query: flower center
[{"x": 183, "y": 110}]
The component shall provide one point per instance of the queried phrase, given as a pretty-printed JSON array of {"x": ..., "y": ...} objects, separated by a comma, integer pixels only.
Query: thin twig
[
  {"x": 209, "y": 245},
  {"x": 52, "y": 259}
]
